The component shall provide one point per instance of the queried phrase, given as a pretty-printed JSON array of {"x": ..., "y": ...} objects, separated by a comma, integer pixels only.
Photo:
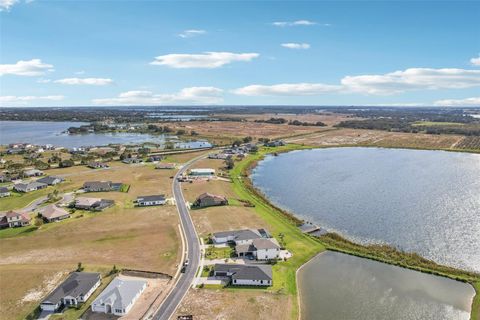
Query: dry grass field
[
  {"x": 237, "y": 304},
  {"x": 359, "y": 137},
  {"x": 33, "y": 263}
]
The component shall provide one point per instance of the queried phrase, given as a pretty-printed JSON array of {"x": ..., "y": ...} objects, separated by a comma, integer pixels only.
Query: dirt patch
[
  {"x": 235, "y": 304},
  {"x": 48, "y": 285}
]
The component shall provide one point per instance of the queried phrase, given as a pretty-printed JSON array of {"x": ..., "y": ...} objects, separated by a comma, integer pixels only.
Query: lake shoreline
[{"x": 341, "y": 243}]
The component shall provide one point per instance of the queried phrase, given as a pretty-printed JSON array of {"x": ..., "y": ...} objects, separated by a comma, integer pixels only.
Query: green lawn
[
  {"x": 219, "y": 253},
  {"x": 12, "y": 232},
  {"x": 19, "y": 200},
  {"x": 476, "y": 303},
  {"x": 301, "y": 246}
]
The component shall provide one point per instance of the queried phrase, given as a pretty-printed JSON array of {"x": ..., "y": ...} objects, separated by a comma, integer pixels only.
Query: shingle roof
[
  {"x": 159, "y": 197},
  {"x": 49, "y": 179},
  {"x": 246, "y": 271},
  {"x": 97, "y": 184},
  {"x": 77, "y": 283},
  {"x": 120, "y": 293},
  {"x": 260, "y": 244},
  {"x": 3, "y": 189},
  {"x": 239, "y": 235},
  {"x": 52, "y": 211}
]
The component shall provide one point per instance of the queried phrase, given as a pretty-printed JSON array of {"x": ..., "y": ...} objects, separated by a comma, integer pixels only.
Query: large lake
[
  {"x": 42, "y": 132},
  {"x": 422, "y": 201},
  {"x": 339, "y": 286}
]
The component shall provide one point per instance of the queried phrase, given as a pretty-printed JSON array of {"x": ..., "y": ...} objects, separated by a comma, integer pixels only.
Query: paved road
[{"x": 174, "y": 298}]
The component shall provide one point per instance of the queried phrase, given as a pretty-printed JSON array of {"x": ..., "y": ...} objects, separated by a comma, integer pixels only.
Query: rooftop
[
  {"x": 246, "y": 271},
  {"x": 120, "y": 293},
  {"x": 77, "y": 283}
]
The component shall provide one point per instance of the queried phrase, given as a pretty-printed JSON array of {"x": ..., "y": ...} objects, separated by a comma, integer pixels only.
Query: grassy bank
[
  {"x": 302, "y": 247},
  {"x": 305, "y": 247}
]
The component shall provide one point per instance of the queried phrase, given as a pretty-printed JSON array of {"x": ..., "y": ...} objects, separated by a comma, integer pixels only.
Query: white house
[
  {"x": 28, "y": 187},
  {"x": 17, "y": 219},
  {"x": 245, "y": 274},
  {"x": 119, "y": 296},
  {"x": 154, "y": 200},
  {"x": 4, "y": 192},
  {"x": 33, "y": 173},
  {"x": 244, "y": 236},
  {"x": 202, "y": 172},
  {"x": 260, "y": 249},
  {"x": 76, "y": 289}
]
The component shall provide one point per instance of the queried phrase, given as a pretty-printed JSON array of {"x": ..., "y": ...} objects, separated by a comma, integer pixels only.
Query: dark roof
[
  {"x": 77, "y": 283},
  {"x": 49, "y": 179},
  {"x": 3, "y": 189},
  {"x": 238, "y": 235},
  {"x": 246, "y": 271},
  {"x": 97, "y": 184},
  {"x": 158, "y": 197}
]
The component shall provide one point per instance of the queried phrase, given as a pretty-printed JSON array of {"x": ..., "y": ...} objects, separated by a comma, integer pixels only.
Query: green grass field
[
  {"x": 19, "y": 200},
  {"x": 435, "y": 124}
]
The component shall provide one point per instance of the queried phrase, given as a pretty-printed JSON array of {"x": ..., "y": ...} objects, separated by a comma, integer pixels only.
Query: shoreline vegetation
[{"x": 287, "y": 223}]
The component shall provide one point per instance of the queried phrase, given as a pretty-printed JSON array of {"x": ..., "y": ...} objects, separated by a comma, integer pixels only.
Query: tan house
[
  {"x": 53, "y": 213},
  {"x": 208, "y": 200}
]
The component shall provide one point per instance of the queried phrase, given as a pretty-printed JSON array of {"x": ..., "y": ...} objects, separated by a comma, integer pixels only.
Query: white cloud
[
  {"x": 30, "y": 68},
  {"x": 287, "y": 89},
  {"x": 475, "y": 61},
  {"x": 85, "y": 81},
  {"x": 22, "y": 100},
  {"x": 294, "y": 23},
  {"x": 191, "y": 33},
  {"x": 291, "y": 45},
  {"x": 384, "y": 84},
  {"x": 5, "y": 5},
  {"x": 412, "y": 79},
  {"x": 80, "y": 72},
  {"x": 475, "y": 101},
  {"x": 207, "y": 60},
  {"x": 192, "y": 95}
]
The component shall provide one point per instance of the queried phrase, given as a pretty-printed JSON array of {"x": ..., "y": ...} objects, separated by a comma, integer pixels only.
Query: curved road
[{"x": 184, "y": 281}]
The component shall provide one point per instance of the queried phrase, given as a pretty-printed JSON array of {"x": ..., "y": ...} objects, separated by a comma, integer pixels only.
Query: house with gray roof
[
  {"x": 245, "y": 274},
  {"x": 4, "y": 192},
  {"x": 97, "y": 186},
  {"x": 33, "y": 173},
  {"x": 51, "y": 180},
  {"x": 76, "y": 289},
  {"x": 52, "y": 213},
  {"x": 260, "y": 249},
  {"x": 244, "y": 236},
  {"x": 119, "y": 296},
  {"x": 153, "y": 200},
  {"x": 28, "y": 187}
]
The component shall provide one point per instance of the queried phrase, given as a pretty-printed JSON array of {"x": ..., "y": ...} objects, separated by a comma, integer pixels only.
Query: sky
[{"x": 120, "y": 53}]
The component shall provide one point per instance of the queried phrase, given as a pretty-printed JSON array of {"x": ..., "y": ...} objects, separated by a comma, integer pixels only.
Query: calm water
[
  {"x": 39, "y": 132},
  {"x": 422, "y": 201},
  {"x": 339, "y": 286}
]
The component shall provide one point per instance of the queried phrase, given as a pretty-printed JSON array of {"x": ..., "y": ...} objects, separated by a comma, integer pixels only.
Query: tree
[
  {"x": 79, "y": 267},
  {"x": 247, "y": 139},
  {"x": 194, "y": 133},
  {"x": 180, "y": 132},
  {"x": 236, "y": 143},
  {"x": 229, "y": 163}
]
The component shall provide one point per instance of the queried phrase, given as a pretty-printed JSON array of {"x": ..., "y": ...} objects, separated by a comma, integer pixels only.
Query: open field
[
  {"x": 136, "y": 238},
  {"x": 241, "y": 304},
  {"x": 360, "y": 137},
  {"x": 328, "y": 118},
  {"x": 224, "y": 131}
]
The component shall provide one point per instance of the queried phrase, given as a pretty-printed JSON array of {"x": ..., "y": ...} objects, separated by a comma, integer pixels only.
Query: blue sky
[{"x": 81, "y": 53}]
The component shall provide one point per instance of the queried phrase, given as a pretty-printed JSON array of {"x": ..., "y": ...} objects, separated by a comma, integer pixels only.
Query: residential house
[
  {"x": 30, "y": 186},
  {"x": 245, "y": 274},
  {"x": 221, "y": 156},
  {"x": 132, "y": 160},
  {"x": 53, "y": 213},
  {"x": 207, "y": 200},
  {"x": 5, "y": 178},
  {"x": 51, "y": 180},
  {"x": 93, "y": 204},
  {"x": 153, "y": 200},
  {"x": 97, "y": 165},
  {"x": 17, "y": 219},
  {"x": 260, "y": 249},
  {"x": 202, "y": 172},
  {"x": 164, "y": 165},
  {"x": 154, "y": 158},
  {"x": 32, "y": 173},
  {"x": 76, "y": 289},
  {"x": 3, "y": 221},
  {"x": 275, "y": 143},
  {"x": 97, "y": 186},
  {"x": 244, "y": 236},
  {"x": 119, "y": 296},
  {"x": 4, "y": 192}
]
